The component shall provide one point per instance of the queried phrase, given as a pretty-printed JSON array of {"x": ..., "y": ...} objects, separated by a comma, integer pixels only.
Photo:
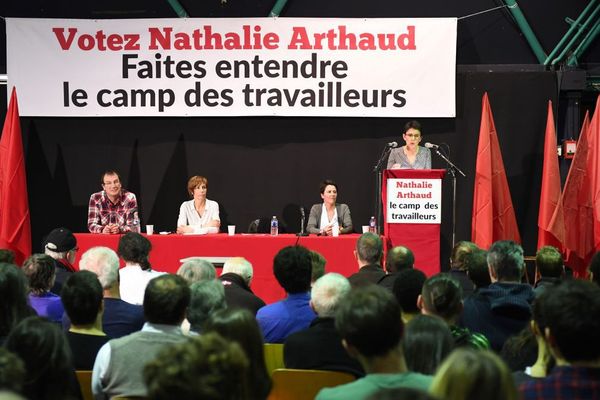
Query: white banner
[
  {"x": 233, "y": 67},
  {"x": 414, "y": 201}
]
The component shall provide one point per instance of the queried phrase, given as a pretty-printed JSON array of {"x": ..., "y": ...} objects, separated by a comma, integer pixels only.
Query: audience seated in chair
[
  {"x": 458, "y": 265},
  {"x": 368, "y": 254},
  {"x": 40, "y": 272},
  {"x": 406, "y": 290},
  {"x": 549, "y": 268},
  {"x": 119, "y": 364},
  {"x": 398, "y": 259},
  {"x": 237, "y": 278},
  {"x": 320, "y": 346},
  {"x": 292, "y": 269},
  {"x": 426, "y": 343},
  {"x": 61, "y": 245},
  {"x": 197, "y": 270},
  {"x": 370, "y": 324},
  {"x": 207, "y": 297},
  {"x": 14, "y": 305}
]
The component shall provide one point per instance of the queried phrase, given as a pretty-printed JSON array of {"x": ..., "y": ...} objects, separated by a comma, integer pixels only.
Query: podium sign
[{"x": 412, "y": 204}]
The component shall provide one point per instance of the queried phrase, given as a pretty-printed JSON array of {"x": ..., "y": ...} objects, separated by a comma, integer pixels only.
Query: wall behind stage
[{"x": 268, "y": 166}]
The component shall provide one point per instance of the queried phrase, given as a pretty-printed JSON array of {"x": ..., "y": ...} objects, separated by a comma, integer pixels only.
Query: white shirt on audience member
[{"x": 133, "y": 282}]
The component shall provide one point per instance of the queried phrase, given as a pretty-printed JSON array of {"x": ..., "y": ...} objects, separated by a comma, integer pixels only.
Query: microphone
[
  {"x": 302, "y": 217},
  {"x": 393, "y": 145},
  {"x": 431, "y": 145}
]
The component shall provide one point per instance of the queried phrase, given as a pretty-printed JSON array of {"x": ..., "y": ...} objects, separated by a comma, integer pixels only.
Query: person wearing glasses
[{"x": 411, "y": 155}]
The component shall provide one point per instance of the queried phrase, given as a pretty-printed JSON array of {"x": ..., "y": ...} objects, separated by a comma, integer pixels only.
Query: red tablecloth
[{"x": 259, "y": 249}]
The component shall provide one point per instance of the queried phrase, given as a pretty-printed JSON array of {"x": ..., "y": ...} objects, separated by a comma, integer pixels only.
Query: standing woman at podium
[{"x": 411, "y": 155}]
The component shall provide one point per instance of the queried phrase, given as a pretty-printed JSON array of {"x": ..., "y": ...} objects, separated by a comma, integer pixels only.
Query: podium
[{"x": 412, "y": 211}]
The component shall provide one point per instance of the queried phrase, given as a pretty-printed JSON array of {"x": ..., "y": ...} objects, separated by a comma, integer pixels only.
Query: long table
[{"x": 259, "y": 249}]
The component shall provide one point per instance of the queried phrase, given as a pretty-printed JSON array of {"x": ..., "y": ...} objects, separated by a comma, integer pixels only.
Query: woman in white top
[
  {"x": 134, "y": 249},
  {"x": 199, "y": 212}
]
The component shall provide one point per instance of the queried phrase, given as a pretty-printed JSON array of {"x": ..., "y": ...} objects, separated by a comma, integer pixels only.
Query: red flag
[
  {"x": 577, "y": 208},
  {"x": 593, "y": 168},
  {"x": 15, "y": 227},
  {"x": 550, "y": 204},
  {"x": 493, "y": 214}
]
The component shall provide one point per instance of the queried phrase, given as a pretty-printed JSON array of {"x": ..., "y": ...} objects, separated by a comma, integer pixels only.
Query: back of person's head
[
  {"x": 407, "y": 288},
  {"x": 165, "y": 300},
  {"x": 7, "y": 256},
  {"x": 327, "y": 293},
  {"x": 549, "y": 262},
  {"x": 12, "y": 371},
  {"x": 318, "y": 265},
  {"x": 197, "y": 270},
  {"x": 59, "y": 242},
  {"x": 44, "y": 350},
  {"x": 239, "y": 266},
  {"x": 505, "y": 258},
  {"x": 14, "y": 305},
  {"x": 292, "y": 269},
  {"x": 207, "y": 297},
  {"x": 469, "y": 374},
  {"x": 477, "y": 268},
  {"x": 458, "y": 253},
  {"x": 369, "y": 320},
  {"x": 205, "y": 367},
  {"x": 401, "y": 393},
  {"x": 442, "y": 296},
  {"x": 594, "y": 268},
  {"x": 521, "y": 350},
  {"x": 399, "y": 258},
  {"x": 81, "y": 296},
  {"x": 570, "y": 316},
  {"x": 369, "y": 248},
  {"x": 426, "y": 343},
  {"x": 40, "y": 272},
  {"x": 135, "y": 248},
  {"x": 103, "y": 262},
  {"x": 240, "y": 325}
]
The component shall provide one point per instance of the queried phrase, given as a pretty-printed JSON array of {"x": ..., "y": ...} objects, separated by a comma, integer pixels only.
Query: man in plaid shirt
[
  {"x": 571, "y": 317},
  {"x": 111, "y": 210}
]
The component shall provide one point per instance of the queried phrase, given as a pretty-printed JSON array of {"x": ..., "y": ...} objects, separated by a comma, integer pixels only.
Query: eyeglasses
[{"x": 413, "y": 135}]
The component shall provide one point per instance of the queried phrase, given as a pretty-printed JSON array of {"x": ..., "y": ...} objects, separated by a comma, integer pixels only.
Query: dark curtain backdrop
[{"x": 258, "y": 167}]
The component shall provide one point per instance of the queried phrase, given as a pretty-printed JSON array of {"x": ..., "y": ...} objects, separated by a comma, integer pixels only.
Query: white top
[
  {"x": 134, "y": 281},
  {"x": 189, "y": 216},
  {"x": 325, "y": 221}
]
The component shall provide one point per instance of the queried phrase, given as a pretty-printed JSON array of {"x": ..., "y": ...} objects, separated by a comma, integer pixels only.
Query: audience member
[
  {"x": 7, "y": 256},
  {"x": 469, "y": 374},
  {"x": 61, "y": 245},
  {"x": 594, "y": 268},
  {"x": 292, "y": 269},
  {"x": 12, "y": 371},
  {"x": 458, "y": 265},
  {"x": 40, "y": 272},
  {"x": 368, "y": 254},
  {"x": 206, "y": 298},
  {"x": 318, "y": 266},
  {"x": 112, "y": 210},
  {"x": 119, "y": 364},
  {"x": 197, "y": 270},
  {"x": 236, "y": 278},
  {"x": 441, "y": 296},
  {"x": 398, "y": 259},
  {"x": 477, "y": 269},
  {"x": 14, "y": 306},
  {"x": 407, "y": 289},
  {"x": 503, "y": 308},
  {"x": 426, "y": 343},
  {"x": 240, "y": 326},
  {"x": 401, "y": 394},
  {"x": 82, "y": 298},
  {"x": 206, "y": 367},
  {"x": 570, "y": 326},
  {"x": 370, "y": 324},
  {"x": 134, "y": 250},
  {"x": 42, "y": 347},
  {"x": 549, "y": 268},
  {"x": 119, "y": 317},
  {"x": 520, "y": 351},
  {"x": 320, "y": 345}
]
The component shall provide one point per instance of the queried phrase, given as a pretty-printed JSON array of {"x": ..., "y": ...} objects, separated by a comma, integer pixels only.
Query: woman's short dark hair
[
  {"x": 135, "y": 248},
  {"x": 40, "y": 271},
  {"x": 325, "y": 183},
  {"x": 81, "y": 296},
  {"x": 426, "y": 343},
  {"x": 14, "y": 305},
  {"x": 412, "y": 125},
  {"x": 442, "y": 296}
]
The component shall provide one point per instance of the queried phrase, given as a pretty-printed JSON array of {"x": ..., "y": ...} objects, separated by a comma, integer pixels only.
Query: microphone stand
[
  {"x": 453, "y": 169},
  {"x": 302, "y": 231},
  {"x": 378, "y": 169}
]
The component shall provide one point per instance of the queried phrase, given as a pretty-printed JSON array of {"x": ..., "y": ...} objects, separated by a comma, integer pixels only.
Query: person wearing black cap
[{"x": 61, "y": 245}]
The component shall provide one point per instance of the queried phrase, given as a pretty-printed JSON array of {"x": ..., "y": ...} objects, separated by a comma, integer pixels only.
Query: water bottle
[
  {"x": 135, "y": 224},
  {"x": 274, "y": 226},
  {"x": 373, "y": 225}
]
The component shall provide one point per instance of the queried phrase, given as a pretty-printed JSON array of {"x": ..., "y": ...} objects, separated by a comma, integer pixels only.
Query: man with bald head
[
  {"x": 236, "y": 278},
  {"x": 398, "y": 259}
]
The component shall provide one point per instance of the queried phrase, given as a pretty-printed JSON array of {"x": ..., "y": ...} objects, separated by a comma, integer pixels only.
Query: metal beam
[
  {"x": 178, "y": 8},
  {"x": 535, "y": 45},
  {"x": 276, "y": 10},
  {"x": 587, "y": 40}
]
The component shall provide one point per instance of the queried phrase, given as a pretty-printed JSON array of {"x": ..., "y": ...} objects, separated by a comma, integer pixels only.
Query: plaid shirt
[
  {"x": 102, "y": 211},
  {"x": 572, "y": 383}
]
